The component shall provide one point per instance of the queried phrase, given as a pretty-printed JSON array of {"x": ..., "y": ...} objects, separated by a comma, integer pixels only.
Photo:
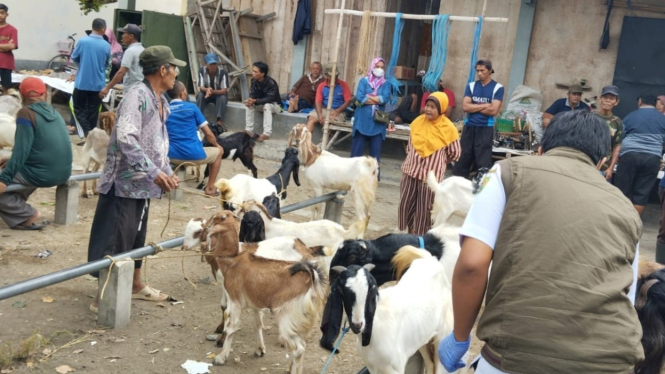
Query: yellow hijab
[{"x": 429, "y": 136}]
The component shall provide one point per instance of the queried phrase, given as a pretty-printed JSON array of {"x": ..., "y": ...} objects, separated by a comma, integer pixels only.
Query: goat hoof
[
  {"x": 85, "y": 194},
  {"x": 95, "y": 192},
  {"x": 260, "y": 352},
  {"x": 220, "y": 328},
  {"x": 220, "y": 342},
  {"x": 212, "y": 337},
  {"x": 218, "y": 360}
]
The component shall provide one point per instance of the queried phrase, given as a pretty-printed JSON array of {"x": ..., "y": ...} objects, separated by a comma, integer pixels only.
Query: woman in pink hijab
[
  {"x": 372, "y": 94},
  {"x": 116, "y": 52},
  {"x": 660, "y": 104}
]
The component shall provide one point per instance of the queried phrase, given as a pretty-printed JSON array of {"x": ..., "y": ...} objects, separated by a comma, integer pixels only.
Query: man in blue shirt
[
  {"x": 182, "y": 125},
  {"x": 92, "y": 54},
  {"x": 482, "y": 101},
  {"x": 572, "y": 102},
  {"x": 641, "y": 152}
]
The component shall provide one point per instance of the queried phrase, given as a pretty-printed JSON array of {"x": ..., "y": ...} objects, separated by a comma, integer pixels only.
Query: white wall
[{"x": 42, "y": 23}]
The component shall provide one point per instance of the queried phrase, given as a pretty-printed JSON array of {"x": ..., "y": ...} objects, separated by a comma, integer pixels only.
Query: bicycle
[{"x": 62, "y": 62}]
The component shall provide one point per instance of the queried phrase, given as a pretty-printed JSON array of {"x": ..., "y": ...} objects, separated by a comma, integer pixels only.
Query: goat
[
  {"x": 441, "y": 242},
  {"x": 452, "y": 195},
  {"x": 395, "y": 322},
  {"x": 235, "y": 191},
  {"x": 650, "y": 306},
  {"x": 239, "y": 145},
  {"x": 327, "y": 170},
  {"x": 9, "y": 107},
  {"x": 94, "y": 149},
  {"x": 293, "y": 290},
  {"x": 271, "y": 203}
]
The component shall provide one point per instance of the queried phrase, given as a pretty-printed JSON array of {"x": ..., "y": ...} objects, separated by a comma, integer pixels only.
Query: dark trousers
[
  {"x": 661, "y": 231},
  {"x": 358, "y": 147},
  {"x": 86, "y": 108},
  {"x": 220, "y": 102},
  {"x": 120, "y": 225},
  {"x": 636, "y": 176},
  {"x": 476, "y": 146}
]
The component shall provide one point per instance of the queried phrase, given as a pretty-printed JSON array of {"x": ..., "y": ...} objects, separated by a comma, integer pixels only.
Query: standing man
[
  {"x": 137, "y": 167},
  {"x": 92, "y": 54},
  {"x": 8, "y": 43},
  {"x": 303, "y": 93},
  {"x": 130, "y": 73},
  {"x": 641, "y": 152},
  {"x": 341, "y": 99},
  {"x": 561, "y": 291},
  {"x": 609, "y": 98},
  {"x": 572, "y": 102},
  {"x": 41, "y": 157},
  {"x": 264, "y": 93},
  {"x": 213, "y": 88},
  {"x": 482, "y": 101}
]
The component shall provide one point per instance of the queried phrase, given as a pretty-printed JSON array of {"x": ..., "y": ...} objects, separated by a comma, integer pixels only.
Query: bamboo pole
[
  {"x": 484, "y": 8},
  {"x": 331, "y": 94},
  {"x": 413, "y": 16}
]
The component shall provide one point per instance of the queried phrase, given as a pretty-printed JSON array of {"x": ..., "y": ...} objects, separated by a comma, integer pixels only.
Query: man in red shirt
[
  {"x": 8, "y": 43},
  {"x": 341, "y": 99},
  {"x": 451, "y": 100}
]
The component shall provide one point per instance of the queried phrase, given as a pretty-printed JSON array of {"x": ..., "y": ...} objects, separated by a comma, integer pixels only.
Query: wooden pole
[
  {"x": 331, "y": 94},
  {"x": 413, "y": 16},
  {"x": 484, "y": 8}
]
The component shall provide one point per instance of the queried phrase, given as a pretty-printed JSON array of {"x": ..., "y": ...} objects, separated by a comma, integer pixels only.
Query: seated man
[
  {"x": 213, "y": 88},
  {"x": 263, "y": 94},
  {"x": 340, "y": 101},
  {"x": 303, "y": 93},
  {"x": 184, "y": 144},
  {"x": 42, "y": 156},
  {"x": 566, "y": 104}
]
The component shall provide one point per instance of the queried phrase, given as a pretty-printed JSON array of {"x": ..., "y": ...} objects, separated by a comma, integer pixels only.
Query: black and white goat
[
  {"x": 241, "y": 188},
  {"x": 239, "y": 145},
  {"x": 395, "y": 322},
  {"x": 650, "y": 305}
]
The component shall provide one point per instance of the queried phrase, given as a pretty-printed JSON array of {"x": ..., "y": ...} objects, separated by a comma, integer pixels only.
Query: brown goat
[{"x": 294, "y": 290}]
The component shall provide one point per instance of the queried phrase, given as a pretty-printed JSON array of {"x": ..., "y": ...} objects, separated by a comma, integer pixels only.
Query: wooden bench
[{"x": 337, "y": 128}]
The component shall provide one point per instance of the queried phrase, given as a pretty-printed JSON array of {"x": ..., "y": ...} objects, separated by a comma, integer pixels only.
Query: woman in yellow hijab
[{"x": 434, "y": 142}]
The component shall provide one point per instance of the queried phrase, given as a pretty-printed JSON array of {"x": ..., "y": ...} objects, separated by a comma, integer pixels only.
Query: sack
[{"x": 381, "y": 117}]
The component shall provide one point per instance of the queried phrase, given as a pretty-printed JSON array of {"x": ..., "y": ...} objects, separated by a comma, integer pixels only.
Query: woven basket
[{"x": 505, "y": 125}]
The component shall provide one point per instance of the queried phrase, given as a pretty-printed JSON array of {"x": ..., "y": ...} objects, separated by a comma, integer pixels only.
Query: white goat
[
  {"x": 327, "y": 170},
  {"x": 453, "y": 195},
  {"x": 292, "y": 290},
  {"x": 394, "y": 322},
  {"x": 9, "y": 107},
  {"x": 95, "y": 148}
]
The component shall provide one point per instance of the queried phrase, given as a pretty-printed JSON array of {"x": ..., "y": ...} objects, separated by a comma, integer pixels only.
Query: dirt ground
[{"x": 161, "y": 337}]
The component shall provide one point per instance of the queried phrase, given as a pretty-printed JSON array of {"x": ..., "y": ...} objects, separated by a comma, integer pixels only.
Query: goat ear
[
  {"x": 296, "y": 179},
  {"x": 332, "y": 317},
  {"x": 369, "y": 267},
  {"x": 338, "y": 269},
  {"x": 370, "y": 309},
  {"x": 292, "y": 136}
]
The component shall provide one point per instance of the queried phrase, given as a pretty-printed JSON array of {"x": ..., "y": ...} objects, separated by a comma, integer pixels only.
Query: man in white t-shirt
[{"x": 561, "y": 242}]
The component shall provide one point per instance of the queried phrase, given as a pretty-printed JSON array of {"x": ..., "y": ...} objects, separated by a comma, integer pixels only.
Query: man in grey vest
[{"x": 563, "y": 247}]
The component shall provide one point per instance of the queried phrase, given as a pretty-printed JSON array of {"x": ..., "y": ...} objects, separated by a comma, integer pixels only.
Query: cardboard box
[{"x": 404, "y": 72}]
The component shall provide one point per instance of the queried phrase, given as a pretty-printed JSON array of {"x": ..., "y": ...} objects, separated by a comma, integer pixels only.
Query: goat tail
[
  {"x": 402, "y": 260},
  {"x": 357, "y": 229},
  {"x": 317, "y": 275},
  {"x": 432, "y": 182}
]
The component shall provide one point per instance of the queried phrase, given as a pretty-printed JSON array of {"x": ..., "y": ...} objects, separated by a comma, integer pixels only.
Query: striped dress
[{"x": 415, "y": 202}]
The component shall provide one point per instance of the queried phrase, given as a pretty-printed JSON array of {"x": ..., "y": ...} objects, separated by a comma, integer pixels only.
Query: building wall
[
  {"x": 565, "y": 45},
  {"x": 42, "y": 23}
]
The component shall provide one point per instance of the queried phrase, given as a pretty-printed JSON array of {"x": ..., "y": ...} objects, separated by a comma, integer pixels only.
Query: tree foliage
[{"x": 88, "y": 6}]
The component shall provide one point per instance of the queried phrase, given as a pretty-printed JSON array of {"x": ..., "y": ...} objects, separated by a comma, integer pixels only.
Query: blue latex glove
[{"x": 451, "y": 352}]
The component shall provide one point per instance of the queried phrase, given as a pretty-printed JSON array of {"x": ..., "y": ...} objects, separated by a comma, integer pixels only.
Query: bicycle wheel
[{"x": 58, "y": 63}]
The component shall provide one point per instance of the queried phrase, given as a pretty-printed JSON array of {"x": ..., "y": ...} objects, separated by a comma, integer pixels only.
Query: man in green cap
[{"x": 137, "y": 167}]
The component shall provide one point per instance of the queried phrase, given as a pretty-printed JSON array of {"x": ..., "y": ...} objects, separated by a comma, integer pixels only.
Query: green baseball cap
[{"x": 159, "y": 55}]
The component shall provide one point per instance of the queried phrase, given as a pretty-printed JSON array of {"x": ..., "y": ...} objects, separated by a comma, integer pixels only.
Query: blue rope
[
  {"x": 394, "y": 57},
  {"x": 474, "y": 50},
  {"x": 440, "y": 31},
  {"x": 344, "y": 331}
]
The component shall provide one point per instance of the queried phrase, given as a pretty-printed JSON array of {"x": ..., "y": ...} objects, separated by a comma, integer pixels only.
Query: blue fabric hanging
[
  {"x": 440, "y": 31},
  {"x": 395, "y": 84},
  {"x": 474, "y": 51}
]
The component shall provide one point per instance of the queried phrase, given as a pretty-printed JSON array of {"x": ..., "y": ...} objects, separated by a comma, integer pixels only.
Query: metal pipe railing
[
  {"x": 78, "y": 177},
  {"x": 91, "y": 267}
]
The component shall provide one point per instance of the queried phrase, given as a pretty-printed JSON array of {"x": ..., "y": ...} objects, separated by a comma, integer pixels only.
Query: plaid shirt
[{"x": 138, "y": 146}]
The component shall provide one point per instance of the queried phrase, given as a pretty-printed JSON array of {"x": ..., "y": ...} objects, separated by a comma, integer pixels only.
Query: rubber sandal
[
  {"x": 31, "y": 226},
  {"x": 150, "y": 294}
]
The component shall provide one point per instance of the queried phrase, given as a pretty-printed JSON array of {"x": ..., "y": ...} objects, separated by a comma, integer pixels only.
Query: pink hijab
[
  {"x": 116, "y": 48},
  {"x": 375, "y": 82},
  {"x": 662, "y": 100}
]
